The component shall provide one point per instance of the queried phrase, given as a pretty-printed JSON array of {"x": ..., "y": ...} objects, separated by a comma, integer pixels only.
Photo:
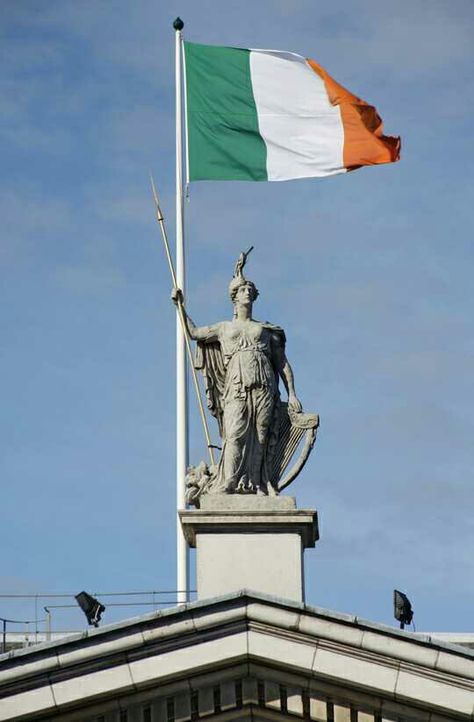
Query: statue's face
[{"x": 245, "y": 294}]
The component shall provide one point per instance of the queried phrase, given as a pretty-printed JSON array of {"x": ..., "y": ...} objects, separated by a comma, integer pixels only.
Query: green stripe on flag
[{"x": 224, "y": 142}]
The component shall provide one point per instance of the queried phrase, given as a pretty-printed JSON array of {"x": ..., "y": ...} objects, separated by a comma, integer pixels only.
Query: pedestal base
[{"x": 258, "y": 548}]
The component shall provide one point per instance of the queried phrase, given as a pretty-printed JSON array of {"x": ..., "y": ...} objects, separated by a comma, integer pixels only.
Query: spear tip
[{"x": 155, "y": 198}]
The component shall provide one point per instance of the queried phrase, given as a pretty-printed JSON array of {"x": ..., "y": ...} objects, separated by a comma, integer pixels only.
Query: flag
[{"x": 271, "y": 115}]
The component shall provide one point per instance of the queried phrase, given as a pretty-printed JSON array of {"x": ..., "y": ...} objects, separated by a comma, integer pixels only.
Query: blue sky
[{"x": 370, "y": 274}]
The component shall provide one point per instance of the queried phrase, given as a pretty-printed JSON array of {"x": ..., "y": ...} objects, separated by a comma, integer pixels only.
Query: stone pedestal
[{"x": 250, "y": 542}]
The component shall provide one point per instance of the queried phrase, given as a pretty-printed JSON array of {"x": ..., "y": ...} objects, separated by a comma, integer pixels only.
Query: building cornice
[{"x": 175, "y": 645}]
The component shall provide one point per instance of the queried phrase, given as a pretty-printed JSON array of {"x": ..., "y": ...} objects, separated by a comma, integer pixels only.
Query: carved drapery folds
[{"x": 265, "y": 441}]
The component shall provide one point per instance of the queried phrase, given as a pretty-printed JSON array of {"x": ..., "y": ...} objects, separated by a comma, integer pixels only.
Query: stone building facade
[{"x": 244, "y": 656}]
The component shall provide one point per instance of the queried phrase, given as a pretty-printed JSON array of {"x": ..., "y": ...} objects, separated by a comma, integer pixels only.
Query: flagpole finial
[{"x": 178, "y": 24}]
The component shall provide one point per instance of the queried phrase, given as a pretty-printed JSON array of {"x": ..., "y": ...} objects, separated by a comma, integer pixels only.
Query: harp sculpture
[{"x": 265, "y": 441}]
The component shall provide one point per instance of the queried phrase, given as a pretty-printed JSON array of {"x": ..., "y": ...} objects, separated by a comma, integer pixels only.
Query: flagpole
[{"x": 181, "y": 380}]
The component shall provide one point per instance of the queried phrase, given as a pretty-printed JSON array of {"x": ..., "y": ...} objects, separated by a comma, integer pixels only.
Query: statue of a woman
[{"x": 242, "y": 361}]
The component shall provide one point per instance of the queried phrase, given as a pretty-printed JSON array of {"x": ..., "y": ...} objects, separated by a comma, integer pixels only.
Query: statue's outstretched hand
[
  {"x": 294, "y": 403},
  {"x": 177, "y": 296}
]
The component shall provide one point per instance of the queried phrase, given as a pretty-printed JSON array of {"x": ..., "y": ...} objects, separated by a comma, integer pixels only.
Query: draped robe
[{"x": 239, "y": 361}]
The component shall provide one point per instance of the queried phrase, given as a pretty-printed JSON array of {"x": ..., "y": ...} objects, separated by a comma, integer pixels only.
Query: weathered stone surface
[
  {"x": 251, "y": 663},
  {"x": 240, "y": 547},
  {"x": 269, "y": 563},
  {"x": 246, "y": 502},
  {"x": 242, "y": 362},
  {"x": 302, "y": 522}
]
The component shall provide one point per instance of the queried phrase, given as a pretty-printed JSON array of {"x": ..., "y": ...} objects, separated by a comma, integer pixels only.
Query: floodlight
[
  {"x": 91, "y": 607},
  {"x": 402, "y": 609}
]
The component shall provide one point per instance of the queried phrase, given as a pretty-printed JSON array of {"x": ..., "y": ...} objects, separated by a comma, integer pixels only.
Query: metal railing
[{"x": 44, "y": 614}]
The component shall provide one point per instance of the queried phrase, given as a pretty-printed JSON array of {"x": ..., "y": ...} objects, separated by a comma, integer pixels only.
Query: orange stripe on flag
[{"x": 364, "y": 141}]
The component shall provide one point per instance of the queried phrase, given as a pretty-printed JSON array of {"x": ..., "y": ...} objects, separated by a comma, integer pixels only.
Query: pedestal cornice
[{"x": 300, "y": 521}]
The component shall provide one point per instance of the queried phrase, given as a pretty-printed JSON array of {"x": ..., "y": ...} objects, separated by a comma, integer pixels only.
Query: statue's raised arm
[
  {"x": 197, "y": 333},
  {"x": 242, "y": 361}
]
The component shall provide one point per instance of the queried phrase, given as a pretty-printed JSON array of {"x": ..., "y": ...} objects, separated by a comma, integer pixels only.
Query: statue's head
[
  {"x": 240, "y": 286},
  {"x": 235, "y": 292}
]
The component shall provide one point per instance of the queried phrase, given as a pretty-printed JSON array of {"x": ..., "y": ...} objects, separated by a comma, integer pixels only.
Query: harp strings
[
  {"x": 289, "y": 438},
  {"x": 284, "y": 434},
  {"x": 296, "y": 435}
]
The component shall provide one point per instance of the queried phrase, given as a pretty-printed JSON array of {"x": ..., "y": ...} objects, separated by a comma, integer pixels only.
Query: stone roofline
[
  {"x": 175, "y": 648},
  {"x": 249, "y": 605}
]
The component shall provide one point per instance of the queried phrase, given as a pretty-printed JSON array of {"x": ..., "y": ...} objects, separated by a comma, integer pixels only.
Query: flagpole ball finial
[{"x": 178, "y": 24}]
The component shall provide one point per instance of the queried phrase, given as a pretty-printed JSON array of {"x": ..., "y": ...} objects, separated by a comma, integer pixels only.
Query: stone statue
[{"x": 242, "y": 361}]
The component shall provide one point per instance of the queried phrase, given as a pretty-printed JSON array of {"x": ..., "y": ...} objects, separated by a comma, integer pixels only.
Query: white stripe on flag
[{"x": 303, "y": 132}]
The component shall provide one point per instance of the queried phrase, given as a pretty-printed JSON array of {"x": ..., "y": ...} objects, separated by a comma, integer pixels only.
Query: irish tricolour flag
[{"x": 271, "y": 115}]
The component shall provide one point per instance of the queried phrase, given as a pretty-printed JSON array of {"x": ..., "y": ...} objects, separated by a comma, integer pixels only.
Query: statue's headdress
[{"x": 239, "y": 278}]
